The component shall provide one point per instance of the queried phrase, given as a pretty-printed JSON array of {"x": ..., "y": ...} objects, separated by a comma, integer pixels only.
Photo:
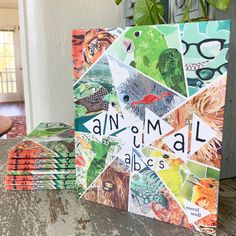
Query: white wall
[
  {"x": 46, "y": 44},
  {"x": 9, "y": 18}
]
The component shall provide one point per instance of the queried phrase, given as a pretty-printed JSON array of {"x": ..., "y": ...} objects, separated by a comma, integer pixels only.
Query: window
[{"x": 7, "y": 63}]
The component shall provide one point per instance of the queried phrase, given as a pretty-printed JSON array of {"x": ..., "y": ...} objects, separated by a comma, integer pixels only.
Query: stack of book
[{"x": 45, "y": 159}]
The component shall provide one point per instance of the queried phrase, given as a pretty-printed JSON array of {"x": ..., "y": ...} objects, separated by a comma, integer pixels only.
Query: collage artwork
[
  {"x": 149, "y": 113},
  {"x": 43, "y": 160}
]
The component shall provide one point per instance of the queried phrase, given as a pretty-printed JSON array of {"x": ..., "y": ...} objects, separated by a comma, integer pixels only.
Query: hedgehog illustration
[{"x": 138, "y": 92}]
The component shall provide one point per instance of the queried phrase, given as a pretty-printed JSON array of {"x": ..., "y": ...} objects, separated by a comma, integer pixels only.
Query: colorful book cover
[
  {"x": 46, "y": 172},
  {"x": 40, "y": 182},
  {"x": 39, "y": 187},
  {"x": 43, "y": 159},
  {"x": 34, "y": 161},
  {"x": 40, "y": 167},
  {"x": 149, "y": 114},
  {"x": 39, "y": 177},
  {"x": 48, "y": 140}
]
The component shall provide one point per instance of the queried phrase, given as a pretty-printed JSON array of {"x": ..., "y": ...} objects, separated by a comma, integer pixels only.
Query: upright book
[{"x": 149, "y": 114}]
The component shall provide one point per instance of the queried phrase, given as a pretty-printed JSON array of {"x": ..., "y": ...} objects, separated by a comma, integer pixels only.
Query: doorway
[
  {"x": 11, "y": 87},
  {"x": 12, "y": 105}
]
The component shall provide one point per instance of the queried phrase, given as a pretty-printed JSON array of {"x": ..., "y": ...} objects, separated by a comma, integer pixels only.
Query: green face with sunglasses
[{"x": 205, "y": 50}]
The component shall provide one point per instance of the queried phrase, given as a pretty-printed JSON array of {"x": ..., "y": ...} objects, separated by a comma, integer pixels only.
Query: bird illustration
[
  {"x": 112, "y": 99},
  {"x": 174, "y": 176},
  {"x": 147, "y": 43},
  {"x": 205, "y": 192},
  {"x": 171, "y": 68},
  {"x": 150, "y": 98},
  {"x": 94, "y": 102},
  {"x": 149, "y": 47}
]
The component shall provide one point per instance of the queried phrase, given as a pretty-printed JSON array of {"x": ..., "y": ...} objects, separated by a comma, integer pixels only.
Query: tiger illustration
[{"x": 87, "y": 47}]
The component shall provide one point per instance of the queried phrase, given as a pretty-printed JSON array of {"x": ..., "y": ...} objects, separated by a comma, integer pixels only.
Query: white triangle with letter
[
  {"x": 201, "y": 134},
  {"x": 154, "y": 127},
  {"x": 115, "y": 121},
  {"x": 125, "y": 154},
  {"x": 132, "y": 136},
  {"x": 96, "y": 125},
  {"x": 137, "y": 164},
  {"x": 178, "y": 142}
]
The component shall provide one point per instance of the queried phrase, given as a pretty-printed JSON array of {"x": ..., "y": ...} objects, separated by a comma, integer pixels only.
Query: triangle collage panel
[{"x": 149, "y": 113}]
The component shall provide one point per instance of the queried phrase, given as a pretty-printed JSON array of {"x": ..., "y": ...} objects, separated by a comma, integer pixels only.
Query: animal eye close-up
[
  {"x": 91, "y": 52},
  {"x": 211, "y": 186},
  {"x": 137, "y": 34},
  {"x": 166, "y": 156},
  {"x": 125, "y": 97}
]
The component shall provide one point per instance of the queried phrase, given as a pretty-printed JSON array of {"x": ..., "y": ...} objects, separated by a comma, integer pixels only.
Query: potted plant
[{"x": 152, "y": 11}]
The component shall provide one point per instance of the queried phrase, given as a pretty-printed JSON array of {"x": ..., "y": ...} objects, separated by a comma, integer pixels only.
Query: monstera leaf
[
  {"x": 219, "y": 4},
  {"x": 148, "y": 12}
]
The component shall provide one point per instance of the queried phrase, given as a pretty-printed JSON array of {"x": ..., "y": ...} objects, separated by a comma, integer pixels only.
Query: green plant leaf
[
  {"x": 118, "y": 1},
  {"x": 148, "y": 12},
  {"x": 219, "y": 4},
  {"x": 204, "y": 8},
  {"x": 186, "y": 13}
]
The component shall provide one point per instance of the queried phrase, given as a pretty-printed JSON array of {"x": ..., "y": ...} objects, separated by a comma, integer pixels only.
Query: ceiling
[{"x": 12, "y": 4}]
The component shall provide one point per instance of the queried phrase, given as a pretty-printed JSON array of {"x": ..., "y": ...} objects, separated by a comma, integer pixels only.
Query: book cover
[{"x": 149, "y": 113}]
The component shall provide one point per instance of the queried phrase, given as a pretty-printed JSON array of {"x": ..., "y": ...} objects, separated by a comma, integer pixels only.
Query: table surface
[
  {"x": 58, "y": 213},
  {"x": 5, "y": 125}
]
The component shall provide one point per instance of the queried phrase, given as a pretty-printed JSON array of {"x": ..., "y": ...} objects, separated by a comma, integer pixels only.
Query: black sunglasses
[
  {"x": 208, "y": 73},
  {"x": 204, "y": 45}
]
